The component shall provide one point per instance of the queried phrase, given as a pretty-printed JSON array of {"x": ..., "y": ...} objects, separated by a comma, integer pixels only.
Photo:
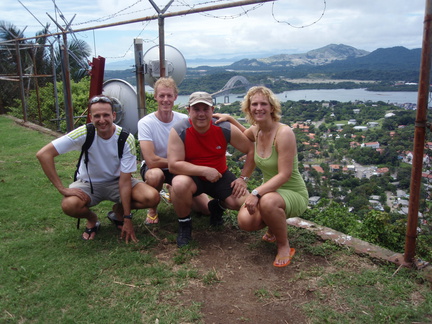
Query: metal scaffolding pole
[
  {"x": 139, "y": 73},
  {"x": 419, "y": 137},
  {"x": 21, "y": 80}
]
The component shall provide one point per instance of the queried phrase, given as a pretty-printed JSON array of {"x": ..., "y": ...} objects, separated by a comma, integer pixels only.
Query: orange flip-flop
[{"x": 286, "y": 260}]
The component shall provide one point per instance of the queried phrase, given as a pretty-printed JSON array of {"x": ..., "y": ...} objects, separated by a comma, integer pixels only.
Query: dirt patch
[{"x": 239, "y": 284}]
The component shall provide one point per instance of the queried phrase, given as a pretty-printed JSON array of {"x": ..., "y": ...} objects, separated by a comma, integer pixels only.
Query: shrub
[{"x": 334, "y": 216}]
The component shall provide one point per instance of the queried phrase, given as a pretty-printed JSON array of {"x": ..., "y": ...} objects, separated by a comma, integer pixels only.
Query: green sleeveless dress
[{"x": 293, "y": 191}]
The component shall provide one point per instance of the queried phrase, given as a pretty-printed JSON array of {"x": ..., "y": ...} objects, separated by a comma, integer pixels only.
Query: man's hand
[
  {"x": 69, "y": 192},
  {"x": 212, "y": 175},
  {"x": 239, "y": 188},
  {"x": 128, "y": 232}
]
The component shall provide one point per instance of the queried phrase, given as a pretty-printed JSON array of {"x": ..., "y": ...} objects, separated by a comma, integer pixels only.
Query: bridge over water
[{"x": 233, "y": 83}]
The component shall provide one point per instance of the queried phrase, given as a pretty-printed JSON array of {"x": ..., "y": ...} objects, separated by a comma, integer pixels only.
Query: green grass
[
  {"x": 49, "y": 275},
  {"x": 372, "y": 296}
]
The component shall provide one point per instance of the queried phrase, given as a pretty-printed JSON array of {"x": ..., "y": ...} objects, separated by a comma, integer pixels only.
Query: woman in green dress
[{"x": 283, "y": 192}]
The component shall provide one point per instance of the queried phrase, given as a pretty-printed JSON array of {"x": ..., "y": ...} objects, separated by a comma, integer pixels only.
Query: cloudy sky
[{"x": 254, "y": 30}]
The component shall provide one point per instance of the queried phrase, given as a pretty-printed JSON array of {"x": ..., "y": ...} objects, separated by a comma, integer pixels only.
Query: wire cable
[{"x": 303, "y": 26}]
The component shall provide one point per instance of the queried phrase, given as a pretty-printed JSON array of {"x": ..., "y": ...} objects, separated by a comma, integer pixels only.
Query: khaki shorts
[{"x": 101, "y": 191}]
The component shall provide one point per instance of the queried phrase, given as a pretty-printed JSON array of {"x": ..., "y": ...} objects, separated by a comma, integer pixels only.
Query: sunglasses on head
[{"x": 100, "y": 99}]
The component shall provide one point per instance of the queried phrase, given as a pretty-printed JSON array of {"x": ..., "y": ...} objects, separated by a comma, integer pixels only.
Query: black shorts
[
  {"x": 168, "y": 175},
  {"x": 220, "y": 189}
]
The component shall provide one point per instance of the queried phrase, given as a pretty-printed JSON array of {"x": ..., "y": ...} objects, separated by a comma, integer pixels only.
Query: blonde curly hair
[{"x": 273, "y": 100}]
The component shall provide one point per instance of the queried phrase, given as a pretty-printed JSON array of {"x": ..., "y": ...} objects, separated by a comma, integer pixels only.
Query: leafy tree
[
  {"x": 79, "y": 52},
  {"x": 377, "y": 229},
  {"x": 342, "y": 144},
  {"x": 35, "y": 59},
  {"x": 358, "y": 202},
  {"x": 424, "y": 239},
  {"x": 365, "y": 155},
  {"x": 404, "y": 176},
  {"x": 332, "y": 215},
  {"x": 8, "y": 64},
  {"x": 322, "y": 128},
  {"x": 48, "y": 109}
]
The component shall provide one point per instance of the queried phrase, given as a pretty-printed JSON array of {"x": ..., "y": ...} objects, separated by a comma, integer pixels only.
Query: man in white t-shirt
[
  {"x": 153, "y": 133},
  {"x": 104, "y": 177}
]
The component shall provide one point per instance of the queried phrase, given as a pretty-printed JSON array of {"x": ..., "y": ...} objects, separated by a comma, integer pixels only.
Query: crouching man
[
  {"x": 197, "y": 155},
  {"x": 104, "y": 176}
]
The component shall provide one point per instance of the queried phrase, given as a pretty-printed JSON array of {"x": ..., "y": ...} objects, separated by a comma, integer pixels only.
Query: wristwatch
[
  {"x": 245, "y": 179},
  {"x": 127, "y": 216},
  {"x": 256, "y": 194}
]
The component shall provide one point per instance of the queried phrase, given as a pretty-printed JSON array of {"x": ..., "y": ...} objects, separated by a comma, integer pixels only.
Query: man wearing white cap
[{"x": 197, "y": 154}]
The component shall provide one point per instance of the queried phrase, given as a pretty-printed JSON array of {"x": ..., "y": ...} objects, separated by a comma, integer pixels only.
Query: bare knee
[
  {"x": 233, "y": 203},
  {"x": 182, "y": 185},
  {"x": 154, "y": 196},
  {"x": 155, "y": 178},
  {"x": 73, "y": 206},
  {"x": 271, "y": 204},
  {"x": 144, "y": 195},
  {"x": 244, "y": 224},
  {"x": 248, "y": 222}
]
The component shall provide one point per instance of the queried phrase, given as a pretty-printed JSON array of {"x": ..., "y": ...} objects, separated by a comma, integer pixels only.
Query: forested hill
[
  {"x": 339, "y": 56},
  {"x": 384, "y": 64}
]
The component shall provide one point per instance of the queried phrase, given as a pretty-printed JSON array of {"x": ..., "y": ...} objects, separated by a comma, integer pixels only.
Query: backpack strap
[
  {"x": 121, "y": 142},
  {"x": 84, "y": 151}
]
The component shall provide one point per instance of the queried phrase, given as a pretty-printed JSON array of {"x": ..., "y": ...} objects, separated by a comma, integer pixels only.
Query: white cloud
[{"x": 367, "y": 24}]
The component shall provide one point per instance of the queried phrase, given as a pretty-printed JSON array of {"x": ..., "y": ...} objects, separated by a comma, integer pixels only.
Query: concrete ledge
[
  {"x": 34, "y": 126},
  {"x": 361, "y": 247}
]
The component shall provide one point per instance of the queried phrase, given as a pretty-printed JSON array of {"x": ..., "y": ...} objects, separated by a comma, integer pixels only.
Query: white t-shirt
[
  {"x": 150, "y": 128},
  {"x": 104, "y": 164}
]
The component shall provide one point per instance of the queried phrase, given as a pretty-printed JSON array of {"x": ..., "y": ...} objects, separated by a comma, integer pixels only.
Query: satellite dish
[
  {"x": 175, "y": 65},
  {"x": 125, "y": 101}
]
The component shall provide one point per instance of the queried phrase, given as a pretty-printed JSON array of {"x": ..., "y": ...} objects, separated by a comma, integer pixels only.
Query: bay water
[{"x": 341, "y": 95}]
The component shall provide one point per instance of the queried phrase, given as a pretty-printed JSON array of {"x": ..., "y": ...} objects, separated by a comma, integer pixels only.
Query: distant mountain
[
  {"x": 339, "y": 57},
  {"x": 339, "y": 62},
  {"x": 321, "y": 56},
  {"x": 397, "y": 57}
]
